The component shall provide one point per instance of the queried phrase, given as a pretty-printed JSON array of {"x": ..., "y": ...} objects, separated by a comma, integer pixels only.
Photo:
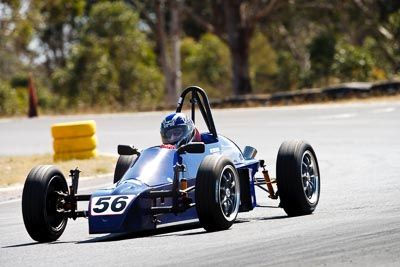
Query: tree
[
  {"x": 234, "y": 21},
  {"x": 15, "y": 35},
  {"x": 263, "y": 64},
  {"x": 380, "y": 20},
  {"x": 164, "y": 19},
  {"x": 352, "y": 63},
  {"x": 206, "y": 63},
  {"x": 57, "y": 24},
  {"x": 113, "y": 64},
  {"x": 294, "y": 31},
  {"x": 322, "y": 52}
]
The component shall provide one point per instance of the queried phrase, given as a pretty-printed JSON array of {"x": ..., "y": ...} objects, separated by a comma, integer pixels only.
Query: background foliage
[{"x": 88, "y": 55}]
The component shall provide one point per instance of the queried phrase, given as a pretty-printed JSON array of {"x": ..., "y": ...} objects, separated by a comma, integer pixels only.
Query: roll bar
[{"x": 199, "y": 98}]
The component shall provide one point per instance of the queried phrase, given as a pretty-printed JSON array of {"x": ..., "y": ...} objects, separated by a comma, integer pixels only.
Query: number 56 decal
[{"x": 110, "y": 205}]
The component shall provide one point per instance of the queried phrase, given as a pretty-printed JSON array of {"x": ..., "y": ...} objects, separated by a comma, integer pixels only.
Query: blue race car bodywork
[{"x": 153, "y": 171}]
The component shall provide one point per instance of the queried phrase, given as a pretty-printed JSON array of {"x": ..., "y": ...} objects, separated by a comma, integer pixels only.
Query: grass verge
[{"x": 15, "y": 169}]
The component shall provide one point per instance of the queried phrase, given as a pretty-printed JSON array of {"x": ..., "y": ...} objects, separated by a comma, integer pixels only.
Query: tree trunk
[
  {"x": 239, "y": 41},
  {"x": 175, "y": 26},
  {"x": 170, "y": 63}
]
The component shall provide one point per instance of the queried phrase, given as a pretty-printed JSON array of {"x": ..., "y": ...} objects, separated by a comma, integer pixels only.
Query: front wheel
[
  {"x": 42, "y": 202},
  {"x": 298, "y": 178},
  {"x": 123, "y": 164},
  {"x": 217, "y": 193}
]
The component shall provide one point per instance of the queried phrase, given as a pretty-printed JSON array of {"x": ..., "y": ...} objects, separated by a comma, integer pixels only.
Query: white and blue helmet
[{"x": 177, "y": 129}]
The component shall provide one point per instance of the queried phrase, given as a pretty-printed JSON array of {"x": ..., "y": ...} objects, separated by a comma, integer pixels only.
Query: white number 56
[{"x": 110, "y": 205}]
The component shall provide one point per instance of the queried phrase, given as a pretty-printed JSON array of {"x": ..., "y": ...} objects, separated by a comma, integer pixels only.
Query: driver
[{"x": 176, "y": 129}]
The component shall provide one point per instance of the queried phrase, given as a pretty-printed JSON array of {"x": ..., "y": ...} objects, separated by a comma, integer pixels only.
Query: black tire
[
  {"x": 298, "y": 178},
  {"x": 39, "y": 203},
  {"x": 217, "y": 193},
  {"x": 123, "y": 164}
]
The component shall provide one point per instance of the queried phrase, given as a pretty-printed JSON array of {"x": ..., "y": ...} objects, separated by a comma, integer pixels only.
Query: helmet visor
[{"x": 173, "y": 135}]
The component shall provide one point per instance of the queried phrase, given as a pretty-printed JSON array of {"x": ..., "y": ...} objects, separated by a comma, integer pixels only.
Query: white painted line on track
[
  {"x": 340, "y": 116},
  {"x": 11, "y": 188},
  {"x": 384, "y": 110},
  {"x": 10, "y": 201},
  {"x": 102, "y": 186}
]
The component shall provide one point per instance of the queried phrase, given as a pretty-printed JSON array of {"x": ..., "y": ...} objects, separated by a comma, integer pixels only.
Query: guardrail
[{"x": 342, "y": 91}]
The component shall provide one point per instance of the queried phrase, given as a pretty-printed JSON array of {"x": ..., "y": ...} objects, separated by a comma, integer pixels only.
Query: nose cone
[{"x": 109, "y": 208}]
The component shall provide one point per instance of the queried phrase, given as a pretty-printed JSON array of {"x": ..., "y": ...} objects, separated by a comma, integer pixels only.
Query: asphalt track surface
[{"x": 357, "y": 222}]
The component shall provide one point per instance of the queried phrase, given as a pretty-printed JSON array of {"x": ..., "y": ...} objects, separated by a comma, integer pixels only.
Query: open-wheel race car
[{"x": 209, "y": 179}]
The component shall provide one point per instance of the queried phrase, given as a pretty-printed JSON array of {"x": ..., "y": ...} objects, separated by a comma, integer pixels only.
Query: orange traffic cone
[{"x": 32, "y": 98}]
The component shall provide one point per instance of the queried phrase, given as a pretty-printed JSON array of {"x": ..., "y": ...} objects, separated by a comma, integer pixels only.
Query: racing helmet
[{"x": 177, "y": 129}]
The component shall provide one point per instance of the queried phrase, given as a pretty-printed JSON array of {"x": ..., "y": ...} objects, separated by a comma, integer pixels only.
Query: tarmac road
[{"x": 357, "y": 222}]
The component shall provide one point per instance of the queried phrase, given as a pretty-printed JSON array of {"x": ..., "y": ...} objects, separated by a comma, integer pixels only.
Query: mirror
[
  {"x": 194, "y": 147},
  {"x": 127, "y": 150},
  {"x": 249, "y": 152}
]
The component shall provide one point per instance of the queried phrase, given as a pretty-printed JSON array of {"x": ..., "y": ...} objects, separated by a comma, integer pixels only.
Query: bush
[
  {"x": 322, "y": 52},
  {"x": 8, "y": 100},
  {"x": 352, "y": 63},
  {"x": 263, "y": 64},
  {"x": 13, "y": 101},
  {"x": 113, "y": 66},
  {"x": 207, "y": 64}
]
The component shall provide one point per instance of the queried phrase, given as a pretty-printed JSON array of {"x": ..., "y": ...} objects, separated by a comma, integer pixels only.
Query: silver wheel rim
[
  {"x": 228, "y": 193},
  {"x": 310, "y": 177}
]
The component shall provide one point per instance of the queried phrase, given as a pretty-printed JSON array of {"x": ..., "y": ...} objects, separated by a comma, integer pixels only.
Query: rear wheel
[
  {"x": 298, "y": 178},
  {"x": 123, "y": 164},
  {"x": 217, "y": 193},
  {"x": 42, "y": 202}
]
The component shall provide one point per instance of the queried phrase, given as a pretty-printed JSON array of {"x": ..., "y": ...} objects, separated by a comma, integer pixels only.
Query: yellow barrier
[
  {"x": 75, "y": 155},
  {"x": 74, "y": 140},
  {"x": 73, "y": 129}
]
